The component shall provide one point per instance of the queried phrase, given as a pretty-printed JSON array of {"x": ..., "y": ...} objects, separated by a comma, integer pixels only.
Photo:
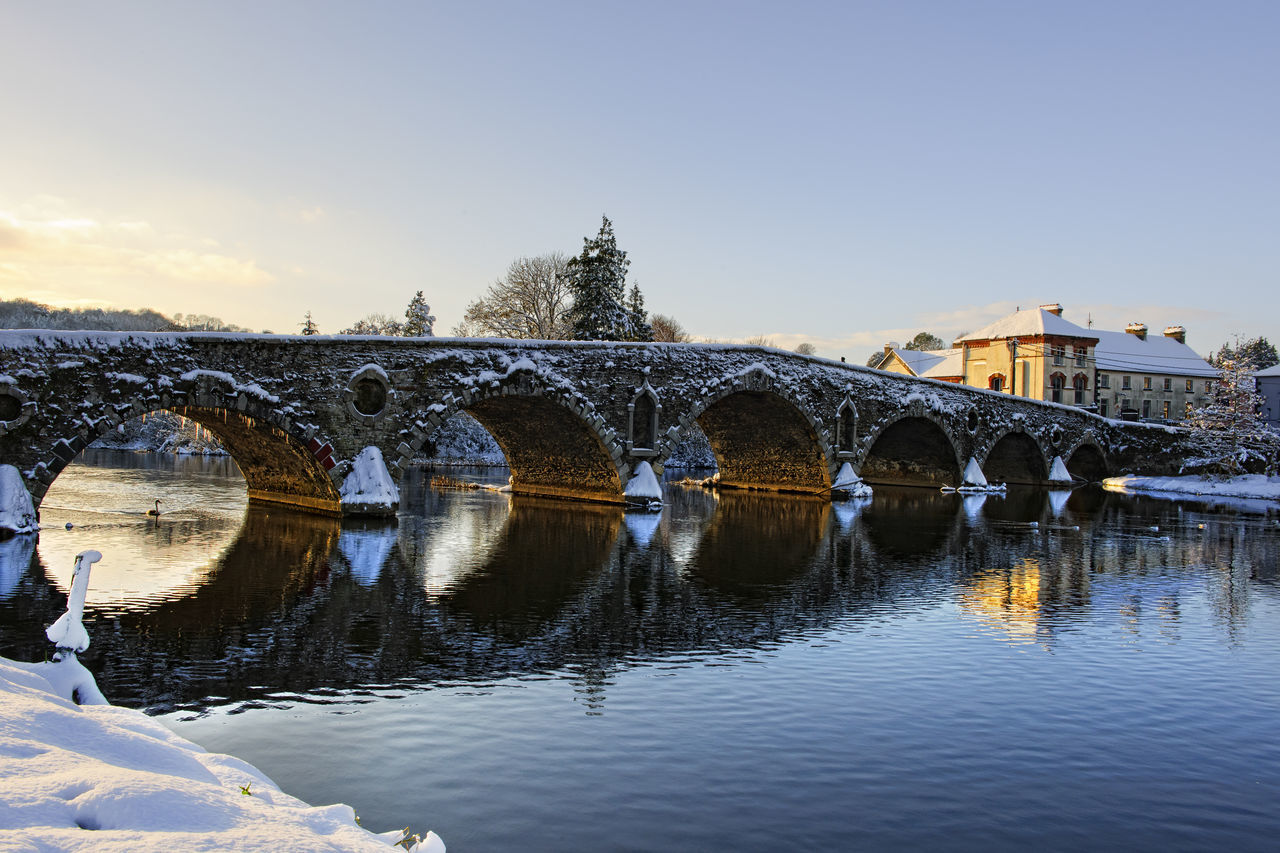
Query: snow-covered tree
[
  {"x": 375, "y": 324},
  {"x": 531, "y": 301},
  {"x": 1231, "y": 427},
  {"x": 1258, "y": 354},
  {"x": 597, "y": 279},
  {"x": 638, "y": 328},
  {"x": 418, "y": 320},
  {"x": 309, "y": 326}
]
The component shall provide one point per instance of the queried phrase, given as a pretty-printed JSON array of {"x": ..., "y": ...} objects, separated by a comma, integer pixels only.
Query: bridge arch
[
  {"x": 554, "y": 441},
  {"x": 1087, "y": 460},
  {"x": 762, "y": 436},
  {"x": 281, "y": 464},
  {"x": 914, "y": 450},
  {"x": 1016, "y": 457}
]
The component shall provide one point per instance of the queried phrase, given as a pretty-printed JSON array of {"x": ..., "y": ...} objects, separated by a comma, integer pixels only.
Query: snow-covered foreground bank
[
  {"x": 103, "y": 778},
  {"x": 1253, "y": 486}
]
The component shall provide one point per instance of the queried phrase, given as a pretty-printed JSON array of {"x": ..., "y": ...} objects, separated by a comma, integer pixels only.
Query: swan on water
[{"x": 155, "y": 511}]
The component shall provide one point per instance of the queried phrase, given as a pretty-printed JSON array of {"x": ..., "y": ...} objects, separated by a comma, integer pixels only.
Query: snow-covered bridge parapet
[{"x": 573, "y": 418}]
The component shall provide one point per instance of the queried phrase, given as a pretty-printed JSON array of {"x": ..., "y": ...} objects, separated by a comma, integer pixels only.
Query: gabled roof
[
  {"x": 1030, "y": 323},
  {"x": 1128, "y": 353},
  {"x": 950, "y": 365},
  {"x": 1270, "y": 371},
  {"x": 929, "y": 363}
]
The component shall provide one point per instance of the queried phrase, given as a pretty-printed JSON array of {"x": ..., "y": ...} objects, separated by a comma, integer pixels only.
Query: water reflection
[{"x": 214, "y": 606}]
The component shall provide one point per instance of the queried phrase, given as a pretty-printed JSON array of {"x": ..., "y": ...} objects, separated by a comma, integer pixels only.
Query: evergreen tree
[
  {"x": 309, "y": 326},
  {"x": 418, "y": 321},
  {"x": 1257, "y": 354},
  {"x": 597, "y": 279},
  {"x": 637, "y": 324},
  {"x": 926, "y": 342}
]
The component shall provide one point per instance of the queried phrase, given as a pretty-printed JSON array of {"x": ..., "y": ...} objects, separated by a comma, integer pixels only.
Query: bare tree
[
  {"x": 806, "y": 348},
  {"x": 374, "y": 324},
  {"x": 759, "y": 341},
  {"x": 531, "y": 301},
  {"x": 668, "y": 329}
]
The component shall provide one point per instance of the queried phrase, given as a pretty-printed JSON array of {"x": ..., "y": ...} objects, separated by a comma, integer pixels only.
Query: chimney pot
[
  {"x": 1138, "y": 329},
  {"x": 1178, "y": 333},
  {"x": 1053, "y": 308}
]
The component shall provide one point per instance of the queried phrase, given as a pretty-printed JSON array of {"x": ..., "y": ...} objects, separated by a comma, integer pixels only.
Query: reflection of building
[
  {"x": 1039, "y": 354},
  {"x": 1006, "y": 599}
]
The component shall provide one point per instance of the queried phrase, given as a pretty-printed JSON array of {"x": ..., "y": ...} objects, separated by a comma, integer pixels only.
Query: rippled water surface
[{"x": 743, "y": 672}]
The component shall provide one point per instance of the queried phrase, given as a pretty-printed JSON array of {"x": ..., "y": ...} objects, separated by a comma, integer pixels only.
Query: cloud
[{"x": 45, "y": 247}]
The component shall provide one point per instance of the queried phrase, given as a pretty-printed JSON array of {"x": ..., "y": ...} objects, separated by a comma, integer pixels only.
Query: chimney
[
  {"x": 890, "y": 347},
  {"x": 1139, "y": 329},
  {"x": 1053, "y": 308},
  {"x": 1178, "y": 333}
]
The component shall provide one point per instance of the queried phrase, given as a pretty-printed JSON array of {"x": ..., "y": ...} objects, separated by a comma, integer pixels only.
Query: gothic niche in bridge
[
  {"x": 367, "y": 394},
  {"x": 642, "y": 421},
  {"x": 762, "y": 441},
  {"x": 1016, "y": 458},
  {"x": 913, "y": 451},
  {"x": 846, "y": 428}
]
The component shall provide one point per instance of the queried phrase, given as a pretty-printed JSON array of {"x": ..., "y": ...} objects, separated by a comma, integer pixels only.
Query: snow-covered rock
[
  {"x": 368, "y": 488},
  {"x": 68, "y": 632},
  {"x": 973, "y": 475},
  {"x": 643, "y": 485},
  {"x": 109, "y": 780},
  {"x": 849, "y": 484},
  {"x": 17, "y": 513}
]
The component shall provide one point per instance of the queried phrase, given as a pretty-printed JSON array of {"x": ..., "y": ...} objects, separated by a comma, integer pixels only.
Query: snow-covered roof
[
  {"x": 1270, "y": 371},
  {"x": 951, "y": 363},
  {"x": 1029, "y": 323},
  {"x": 1128, "y": 353}
]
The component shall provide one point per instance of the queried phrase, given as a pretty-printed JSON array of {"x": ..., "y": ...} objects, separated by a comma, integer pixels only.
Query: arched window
[
  {"x": 996, "y": 382},
  {"x": 1080, "y": 383},
  {"x": 643, "y": 410},
  {"x": 1056, "y": 383}
]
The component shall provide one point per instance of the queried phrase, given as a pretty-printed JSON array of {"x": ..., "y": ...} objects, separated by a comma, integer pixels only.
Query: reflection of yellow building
[{"x": 1008, "y": 600}]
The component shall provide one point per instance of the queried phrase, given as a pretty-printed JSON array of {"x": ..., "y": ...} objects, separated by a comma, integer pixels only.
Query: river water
[{"x": 743, "y": 672}]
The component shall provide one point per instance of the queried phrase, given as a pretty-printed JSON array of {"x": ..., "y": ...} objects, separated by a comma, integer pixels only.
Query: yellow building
[{"x": 1039, "y": 354}]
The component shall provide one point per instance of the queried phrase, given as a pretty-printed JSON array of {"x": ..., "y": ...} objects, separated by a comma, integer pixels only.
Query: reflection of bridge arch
[
  {"x": 280, "y": 463},
  {"x": 554, "y": 442},
  {"x": 1015, "y": 457},
  {"x": 761, "y": 434},
  {"x": 914, "y": 450}
]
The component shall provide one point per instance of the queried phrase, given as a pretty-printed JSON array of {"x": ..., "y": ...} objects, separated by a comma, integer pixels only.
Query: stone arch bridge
[{"x": 574, "y": 419}]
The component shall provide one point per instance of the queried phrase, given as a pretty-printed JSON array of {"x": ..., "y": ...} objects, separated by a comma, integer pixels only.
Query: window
[
  {"x": 1146, "y": 408},
  {"x": 1059, "y": 353},
  {"x": 1126, "y": 383},
  {"x": 1082, "y": 353},
  {"x": 1056, "y": 383},
  {"x": 1080, "y": 384},
  {"x": 1164, "y": 410},
  {"x": 1208, "y": 385},
  {"x": 996, "y": 382},
  {"x": 1190, "y": 383},
  {"x": 1146, "y": 383},
  {"x": 1104, "y": 380},
  {"x": 1168, "y": 384},
  {"x": 1102, "y": 407}
]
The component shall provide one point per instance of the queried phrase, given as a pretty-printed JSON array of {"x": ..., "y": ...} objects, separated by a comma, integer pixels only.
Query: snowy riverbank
[
  {"x": 103, "y": 778},
  {"x": 1250, "y": 486}
]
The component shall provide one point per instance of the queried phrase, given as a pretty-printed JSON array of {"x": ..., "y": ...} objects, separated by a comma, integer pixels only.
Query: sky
[{"x": 844, "y": 173}]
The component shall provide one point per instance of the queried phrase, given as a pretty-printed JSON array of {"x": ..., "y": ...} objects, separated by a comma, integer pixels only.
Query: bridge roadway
[{"x": 574, "y": 419}]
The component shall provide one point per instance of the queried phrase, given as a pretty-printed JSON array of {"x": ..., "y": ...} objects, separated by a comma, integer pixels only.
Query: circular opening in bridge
[
  {"x": 10, "y": 406},
  {"x": 972, "y": 421},
  {"x": 370, "y": 396}
]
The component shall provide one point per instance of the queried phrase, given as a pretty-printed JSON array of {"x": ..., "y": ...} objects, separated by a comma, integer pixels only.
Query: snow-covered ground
[
  {"x": 102, "y": 778},
  {"x": 1254, "y": 486}
]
